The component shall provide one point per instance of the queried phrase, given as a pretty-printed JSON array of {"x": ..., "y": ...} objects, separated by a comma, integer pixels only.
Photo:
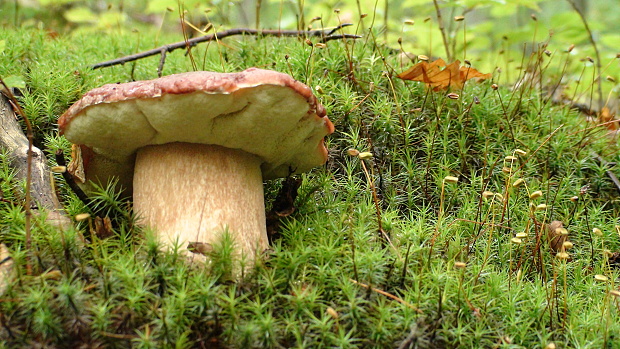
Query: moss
[{"x": 332, "y": 279}]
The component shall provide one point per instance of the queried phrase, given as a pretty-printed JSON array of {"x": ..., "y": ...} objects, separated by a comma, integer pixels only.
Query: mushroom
[{"x": 194, "y": 148}]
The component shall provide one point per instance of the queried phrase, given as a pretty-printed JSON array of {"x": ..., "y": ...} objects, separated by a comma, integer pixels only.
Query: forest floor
[{"x": 444, "y": 238}]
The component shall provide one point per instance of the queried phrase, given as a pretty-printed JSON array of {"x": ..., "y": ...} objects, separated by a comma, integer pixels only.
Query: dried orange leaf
[
  {"x": 468, "y": 73},
  {"x": 439, "y": 76},
  {"x": 606, "y": 117}
]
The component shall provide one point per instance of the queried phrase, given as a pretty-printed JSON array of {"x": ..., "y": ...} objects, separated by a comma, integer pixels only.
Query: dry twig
[
  {"x": 326, "y": 35},
  {"x": 389, "y": 295},
  {"x": 596, "y": 51}
]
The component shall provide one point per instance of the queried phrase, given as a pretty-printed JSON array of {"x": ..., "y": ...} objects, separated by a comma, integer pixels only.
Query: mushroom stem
[{"x": 189, "y": 194}]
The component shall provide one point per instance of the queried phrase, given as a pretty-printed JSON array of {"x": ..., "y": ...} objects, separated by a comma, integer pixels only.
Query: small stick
[
  {"x": 375, "y": 199},
  {"x": 389, "y": 295},
  {"x": 162, "y": 61},
  {"x": 326, "y": 36}
]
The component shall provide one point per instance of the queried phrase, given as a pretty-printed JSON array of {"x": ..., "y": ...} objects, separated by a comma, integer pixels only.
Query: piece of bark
[
  {"x": 6, "y": 268},
  {"x": 13, "y": 140}
]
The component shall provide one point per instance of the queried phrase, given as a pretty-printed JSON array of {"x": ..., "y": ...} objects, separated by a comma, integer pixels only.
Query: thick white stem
[{"x": 191, "y": 193}]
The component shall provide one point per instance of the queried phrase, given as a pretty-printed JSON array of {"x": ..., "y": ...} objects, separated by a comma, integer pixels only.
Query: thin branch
[
  {"x": 162, "y": 61},
  {"x": 442, "y": 29},
  {"x": 324, "y": 34},
  {"x": 339, "y": 36},
  {"x": 598, "y": 56}
]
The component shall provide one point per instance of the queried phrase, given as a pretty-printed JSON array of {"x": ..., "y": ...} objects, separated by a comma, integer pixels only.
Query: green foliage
[{"x": 332, "y": 279}]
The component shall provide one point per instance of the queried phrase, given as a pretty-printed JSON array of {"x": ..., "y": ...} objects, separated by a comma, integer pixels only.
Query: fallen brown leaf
[
  {"x": 439, "y": 76},
  {"x": 606, "y": 117},
  {"x": 103, "y": 227}
]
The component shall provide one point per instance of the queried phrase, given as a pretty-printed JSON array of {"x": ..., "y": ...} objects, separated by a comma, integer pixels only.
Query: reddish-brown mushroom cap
[{"x": 262, "y": 112}]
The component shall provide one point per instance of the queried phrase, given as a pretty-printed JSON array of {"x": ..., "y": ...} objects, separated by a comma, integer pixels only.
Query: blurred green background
[{"x": 495, "y": 35}]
